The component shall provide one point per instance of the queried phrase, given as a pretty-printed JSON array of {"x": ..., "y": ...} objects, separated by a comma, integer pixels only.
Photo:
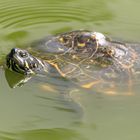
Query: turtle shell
[
  {"x": 74, "y": 42},
  {"x": 91, "y": 60}
]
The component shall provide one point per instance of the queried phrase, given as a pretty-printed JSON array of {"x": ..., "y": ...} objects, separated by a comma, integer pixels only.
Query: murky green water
[{"x": 36, "y": 111}]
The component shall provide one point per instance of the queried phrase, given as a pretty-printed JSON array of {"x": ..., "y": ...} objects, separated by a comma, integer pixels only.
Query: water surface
[{"x": 36, "y": 110}]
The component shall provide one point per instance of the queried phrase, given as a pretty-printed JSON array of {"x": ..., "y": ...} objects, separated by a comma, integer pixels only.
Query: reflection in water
[
  {"x": 43, "y": 134},
  {"x": 15, "y": 36},
  {"x": 15, "y": 79}
]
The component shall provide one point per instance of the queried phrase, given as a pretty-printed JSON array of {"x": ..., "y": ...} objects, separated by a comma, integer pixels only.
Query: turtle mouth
[{"x": 20, "y": 61}]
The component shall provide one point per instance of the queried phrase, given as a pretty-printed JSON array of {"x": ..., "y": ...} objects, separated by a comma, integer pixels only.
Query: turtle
[{"x": 89, "y": 59}]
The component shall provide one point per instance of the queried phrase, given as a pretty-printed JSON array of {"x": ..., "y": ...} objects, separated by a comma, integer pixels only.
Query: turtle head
[{"x": 23, "y": 62}]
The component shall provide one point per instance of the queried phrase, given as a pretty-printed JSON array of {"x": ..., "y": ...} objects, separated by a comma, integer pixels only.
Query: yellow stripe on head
[{"x": 26, "y": 65}]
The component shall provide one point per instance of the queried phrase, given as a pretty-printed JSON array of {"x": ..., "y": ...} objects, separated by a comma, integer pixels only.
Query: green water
[{"x": 36, "y": 111}]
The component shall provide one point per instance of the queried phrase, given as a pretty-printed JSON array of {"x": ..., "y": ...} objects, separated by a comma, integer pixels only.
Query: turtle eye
[{"x": 23, "y": 54}]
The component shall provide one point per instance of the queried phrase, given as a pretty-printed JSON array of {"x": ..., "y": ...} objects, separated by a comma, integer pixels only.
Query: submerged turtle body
[{"x": 88, "y": 59}]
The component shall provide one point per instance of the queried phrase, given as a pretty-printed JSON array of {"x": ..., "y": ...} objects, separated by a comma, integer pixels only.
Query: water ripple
[{"x": 29, "y": 13}]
